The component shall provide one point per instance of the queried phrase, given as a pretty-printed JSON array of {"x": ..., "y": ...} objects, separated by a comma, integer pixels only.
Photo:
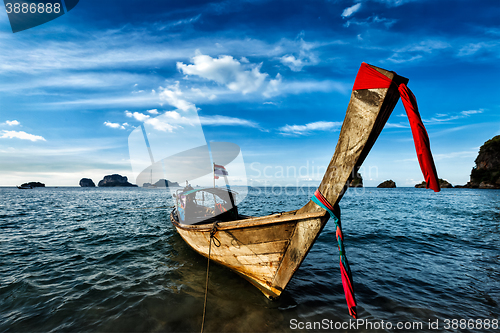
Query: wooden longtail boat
[{"x": 268, "y": 250}]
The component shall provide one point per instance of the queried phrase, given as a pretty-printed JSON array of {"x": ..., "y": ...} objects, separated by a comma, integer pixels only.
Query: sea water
[{"x": 96, "y": 259}]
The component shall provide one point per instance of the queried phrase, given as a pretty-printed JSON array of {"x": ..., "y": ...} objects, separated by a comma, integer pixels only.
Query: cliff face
[
  {"x": 115, "y": 180},
  {"x": 357, "y": 181},
  {"x": 486, "y": 173}
]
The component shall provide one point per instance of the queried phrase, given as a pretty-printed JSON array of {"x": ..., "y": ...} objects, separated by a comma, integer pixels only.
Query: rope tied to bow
[
  {"x": 345, "y": 270},
  {"x": 217, "y": 243}
]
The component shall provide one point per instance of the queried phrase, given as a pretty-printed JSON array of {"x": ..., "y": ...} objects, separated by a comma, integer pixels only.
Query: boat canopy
[{"x": 220, "y": 192}]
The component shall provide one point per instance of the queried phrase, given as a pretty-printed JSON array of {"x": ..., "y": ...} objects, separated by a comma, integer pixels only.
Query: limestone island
[
  {"x": 442, "y": 183},
  {"x": 115, "y": 181},
  {"x": 162, "y": 183},
  {"x": 87, "y": 182},
  {"x": 357, "y": 181},
  {"x": 387, "y": 184},
  {"x": 31, "y": 185},
  {"x": 486, "y": 173}
]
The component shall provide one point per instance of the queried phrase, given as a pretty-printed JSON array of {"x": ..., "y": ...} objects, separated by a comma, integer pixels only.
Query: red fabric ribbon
[{"x": 370, "y": 78}]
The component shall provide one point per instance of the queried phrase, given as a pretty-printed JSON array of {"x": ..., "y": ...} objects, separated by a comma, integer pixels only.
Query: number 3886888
[{"x": 33, "y": 8}]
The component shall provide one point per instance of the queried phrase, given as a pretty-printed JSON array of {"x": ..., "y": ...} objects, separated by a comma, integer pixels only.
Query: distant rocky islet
[
  {"x": 117, "y": 180},
  {"x": 387, "y": 184},
  {"x": 442, "y": 184}
]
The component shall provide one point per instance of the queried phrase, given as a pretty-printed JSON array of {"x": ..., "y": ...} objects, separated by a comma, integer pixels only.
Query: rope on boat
[
  {"x": 217, "y": 244},
  {"x": 345, "y": 270}
]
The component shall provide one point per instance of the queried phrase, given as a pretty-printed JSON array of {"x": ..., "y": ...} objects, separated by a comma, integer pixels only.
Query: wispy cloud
[
  {"x": 395, "y": 3},
  {"x": 227, "y": 121},
  {"x": 351, "y": 10},
  {"x": 445, "y": 117},
  {"x": 174, "y": 96},
  {"x": 178, "y": 23},
  {"x": 20, "y": 135},
  {"x": 416, "y": 51},
  {"x": 457, "y": 154},
  {"x": 372, "y": 20},
  {"x": 166, "y": 122},
  {"x": 393, "y": 125},
  {"x": 304, "y": 57},
  {"x": 309, "y": 128}
]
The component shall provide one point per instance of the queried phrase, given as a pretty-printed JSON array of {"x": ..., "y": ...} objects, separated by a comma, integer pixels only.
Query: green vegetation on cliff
[{"x": 486, "y": 173}]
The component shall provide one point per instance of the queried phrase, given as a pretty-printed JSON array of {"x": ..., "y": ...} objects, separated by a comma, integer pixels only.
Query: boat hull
[{"x": 264, "y": 250}]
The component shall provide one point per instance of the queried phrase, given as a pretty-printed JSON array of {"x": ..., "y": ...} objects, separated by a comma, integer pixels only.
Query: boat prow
[{"x": 268, "y": 250}]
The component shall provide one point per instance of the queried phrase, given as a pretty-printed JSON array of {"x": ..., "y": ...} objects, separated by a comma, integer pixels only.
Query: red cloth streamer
[
  {"x": 370, "y": 78},
  {"x": 348, "y": 291}
]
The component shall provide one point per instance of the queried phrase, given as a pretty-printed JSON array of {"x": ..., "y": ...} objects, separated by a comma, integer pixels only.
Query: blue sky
[{"x": 273, "y": 77}]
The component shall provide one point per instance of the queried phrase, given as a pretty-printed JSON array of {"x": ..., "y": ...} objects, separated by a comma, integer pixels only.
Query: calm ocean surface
[{"x": 91, "y": 260}]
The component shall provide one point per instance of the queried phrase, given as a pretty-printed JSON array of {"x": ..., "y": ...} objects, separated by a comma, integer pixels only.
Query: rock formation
[
  {"x": 442, "y": 183},
  {"x": 115, "y": 181},
  {"x": 33, "y": 184},
  {"x": 357, "y": 181},
  {"x": 162, "y": 183},
  {"x": 486, "y": 173},
  {"x": 87, "y": 182},
  {"x": 387, "y": 184}
]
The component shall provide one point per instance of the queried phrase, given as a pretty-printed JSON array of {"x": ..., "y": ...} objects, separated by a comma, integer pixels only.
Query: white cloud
[
  {"x": 292, "y": 62},
  {"x": 20, "y": 135},
  {"x": 12, "y": 122},
  {"x": 310, "y": 127},
  {"x": 173, "y": 96},
  {"x": 351, "y": 10},
  {"x": 153, "y": 111},
  {"x": 164, "y": 123},
  {"x": 160, "y": 125},
  {"x": 305, "y": 57},
  {"x": 114, "y": 125},
  {"x": 226, "y": 70},
  {"x": 137, "y": 116},
  {"x": 273, "y": 88},
  {"x": 228, "y": 121}
]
